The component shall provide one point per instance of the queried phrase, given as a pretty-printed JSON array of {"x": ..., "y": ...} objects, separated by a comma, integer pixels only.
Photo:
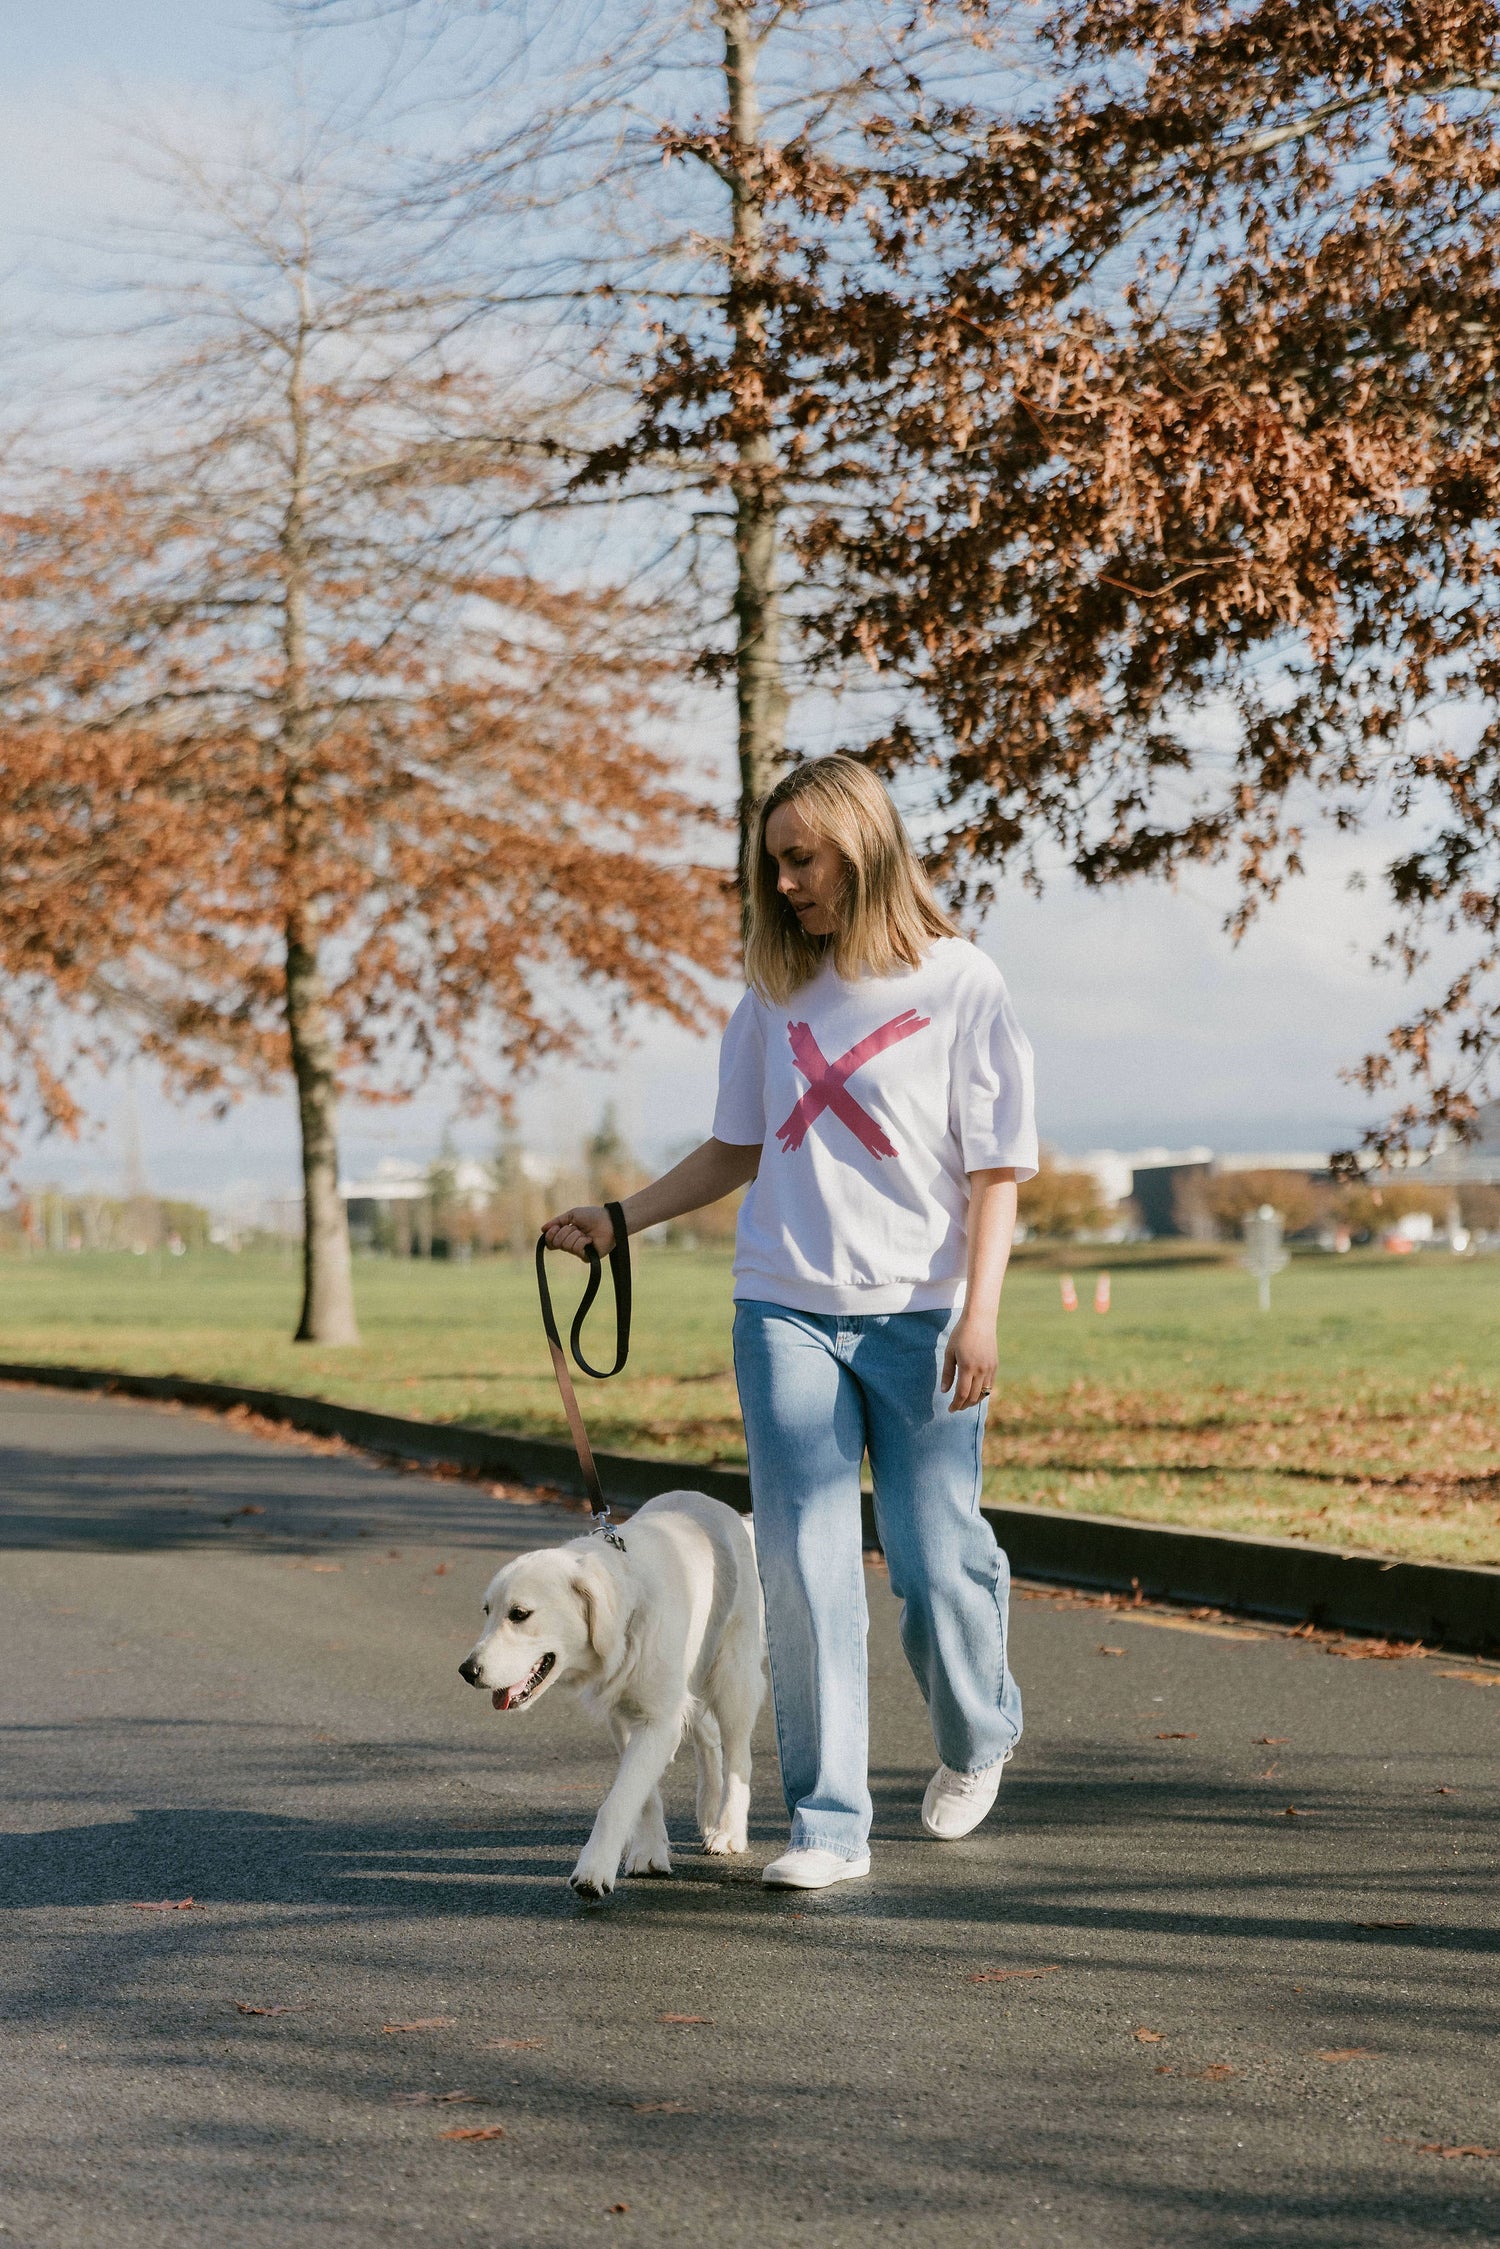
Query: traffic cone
[
  {"x": 1069, "y": 1294},
  {"x": 1101, "y": 1293}
]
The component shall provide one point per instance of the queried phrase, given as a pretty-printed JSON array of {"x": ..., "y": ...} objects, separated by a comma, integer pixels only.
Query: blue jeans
[{"x": 817, "y": 1390}]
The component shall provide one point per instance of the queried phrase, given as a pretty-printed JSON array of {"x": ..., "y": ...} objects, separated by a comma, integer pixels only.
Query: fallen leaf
[
  {"x": 1292, "y": 1813},
  {"x": 161, "y": 1905},
  {"x": 423, "y": 2022},
  {"x": 662, "y": 2108},
  {"x": 1379, "y": 1651},
  {"x": 512, "y": 2045},
  {"x": 1385, "y": 1924},
  {"x": 1443, "y": 1792},
  {"x": 1104, "y": 1651},
  {"x": 1217, "y": 2071},
  {"x": 1189, "y": 1624},
  {"x": 244, "y": 2007},
  {"x": 1177, "y": 1737},
  {"x": 1272, "y": 1741},
  {"x": 429, "y": 2100},
  {"x": 474, "y": 2132},
  {"x": 1436, "y": 2147},
  {"x": 1475, "y": 1678},
  {"x": 1165, "y": 2069},
  {"x": 441, "y": 1570},
  {"x": 1270, "y": 1773},
  {"x": 1148, "y": 2037},
  {"x": 618, "y": 2209},
  {"x": 1346, "y": 2053},
  {"x": 705, "y": 2020},
  {"x": 1004, "y": 1975}
]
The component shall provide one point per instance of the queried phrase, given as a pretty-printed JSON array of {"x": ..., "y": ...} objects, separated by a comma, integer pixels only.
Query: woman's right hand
[{"x": 581, "y": 1229}]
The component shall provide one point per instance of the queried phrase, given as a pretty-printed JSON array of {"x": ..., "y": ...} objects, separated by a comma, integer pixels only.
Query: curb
[{"x": 1443, "y": 1604}]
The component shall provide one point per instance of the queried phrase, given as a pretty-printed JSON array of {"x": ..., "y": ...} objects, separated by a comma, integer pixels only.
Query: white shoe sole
[{"x": 849, "y": 1871}]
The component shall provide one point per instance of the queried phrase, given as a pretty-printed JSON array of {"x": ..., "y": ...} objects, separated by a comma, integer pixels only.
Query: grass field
[{"x": 1363, "y": 1410}]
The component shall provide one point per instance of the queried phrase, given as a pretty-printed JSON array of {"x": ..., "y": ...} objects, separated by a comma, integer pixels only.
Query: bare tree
[
  {"x": 359, "y": 792},
  {"x": 692, "y": 168}
]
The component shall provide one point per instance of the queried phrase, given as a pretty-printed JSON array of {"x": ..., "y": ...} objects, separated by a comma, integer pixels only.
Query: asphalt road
[{"x": 1143, "y": 2005}]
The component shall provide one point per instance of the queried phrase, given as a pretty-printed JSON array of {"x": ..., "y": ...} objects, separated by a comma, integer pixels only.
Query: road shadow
[
  {"x": 761, "y": 2093},
  {"x": 261, "y": 1498}
]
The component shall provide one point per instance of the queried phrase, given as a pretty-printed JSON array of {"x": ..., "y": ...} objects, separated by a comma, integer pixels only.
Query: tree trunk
[
  {"x": 760, "y": 683},
  {"x": 327, "y": 1275}
]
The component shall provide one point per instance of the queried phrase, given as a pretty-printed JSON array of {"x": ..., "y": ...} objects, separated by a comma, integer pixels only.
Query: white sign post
[{"x": 1264, "y": 1254}]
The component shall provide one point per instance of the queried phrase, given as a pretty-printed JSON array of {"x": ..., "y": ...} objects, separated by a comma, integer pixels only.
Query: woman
[{"x": 876, "y": 1087}]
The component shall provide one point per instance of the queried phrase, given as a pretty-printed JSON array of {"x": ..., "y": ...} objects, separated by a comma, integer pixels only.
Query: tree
[
  {"x": 612, "y": 1170},
  {"x": 310, "y": 769},
  {"x": 698, "y": 163},
  {"x": 1058, "y": 1204},
  {"x": 1232, "y": 1195},
  {"x": 1173, "y": 381}
]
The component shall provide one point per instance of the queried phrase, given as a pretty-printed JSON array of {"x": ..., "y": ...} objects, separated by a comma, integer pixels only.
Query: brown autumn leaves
[
  {"x": 1137, "y": 428},
  {"x": 1176, "y": 401},
  {"x": 306, "y": 769},
  {"x": 1134, "y": 424}
]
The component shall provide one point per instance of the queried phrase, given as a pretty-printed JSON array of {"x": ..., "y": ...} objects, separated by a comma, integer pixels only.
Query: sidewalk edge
[{"x": 1443, "y": 1604}]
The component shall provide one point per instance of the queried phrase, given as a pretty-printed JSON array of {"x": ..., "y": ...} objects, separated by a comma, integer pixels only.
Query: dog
[{"x": 664, "y": 1636}]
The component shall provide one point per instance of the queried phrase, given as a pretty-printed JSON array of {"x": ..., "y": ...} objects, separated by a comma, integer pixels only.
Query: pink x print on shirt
[{"x": 828, "y": 1083}]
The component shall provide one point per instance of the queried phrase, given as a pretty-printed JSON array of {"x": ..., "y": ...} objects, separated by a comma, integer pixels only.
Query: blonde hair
[{"x": 888, "y": 912}]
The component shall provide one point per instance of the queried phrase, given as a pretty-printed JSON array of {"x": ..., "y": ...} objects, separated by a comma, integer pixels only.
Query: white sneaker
[
  {"x": 812, "y": 1870},
  {"x": 955, "y": 1803}
]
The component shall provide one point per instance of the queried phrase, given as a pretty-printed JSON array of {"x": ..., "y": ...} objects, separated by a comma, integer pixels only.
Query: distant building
[
  {"x": 1172, "y": 1197},
  {"x": 1169, "y": 1187},
  {"x": 1468, "y": 1163}
]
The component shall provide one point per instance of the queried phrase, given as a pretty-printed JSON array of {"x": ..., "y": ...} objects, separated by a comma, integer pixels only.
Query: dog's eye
[{"x": 518, "y": 1616}]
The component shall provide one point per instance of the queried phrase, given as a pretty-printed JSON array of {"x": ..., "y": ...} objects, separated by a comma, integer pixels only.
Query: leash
[{"x": 619, "y": 1273}]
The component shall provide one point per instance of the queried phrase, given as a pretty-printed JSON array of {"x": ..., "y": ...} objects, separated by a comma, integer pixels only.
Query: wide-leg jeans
[{"x": 817, "y": 1391}]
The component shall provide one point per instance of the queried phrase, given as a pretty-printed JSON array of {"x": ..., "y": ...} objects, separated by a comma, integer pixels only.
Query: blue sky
[{"x": 1148, "y": 1024}]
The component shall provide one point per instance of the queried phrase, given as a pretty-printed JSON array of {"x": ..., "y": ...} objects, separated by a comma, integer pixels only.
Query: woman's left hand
[{"x": 969, "y": 1362}]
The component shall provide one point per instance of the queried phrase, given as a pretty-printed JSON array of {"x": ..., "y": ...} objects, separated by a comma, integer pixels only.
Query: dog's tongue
[{"x": 501, "y": 1697}]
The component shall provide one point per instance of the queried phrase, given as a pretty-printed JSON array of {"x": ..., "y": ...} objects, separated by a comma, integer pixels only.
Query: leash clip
[{"x": 603, "y": 1527}]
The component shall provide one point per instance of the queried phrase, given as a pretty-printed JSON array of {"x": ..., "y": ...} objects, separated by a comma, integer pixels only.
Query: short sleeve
[
  {"x": 740, "y": 1111},
  {"x": 993, "y": 1095}
]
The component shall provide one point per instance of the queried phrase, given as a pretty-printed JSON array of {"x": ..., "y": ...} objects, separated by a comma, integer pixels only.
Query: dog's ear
[{"x": 599, "y": 1598}]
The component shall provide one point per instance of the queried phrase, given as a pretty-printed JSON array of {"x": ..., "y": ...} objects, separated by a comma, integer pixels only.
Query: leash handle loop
[{"x": 619, "y": 1271}]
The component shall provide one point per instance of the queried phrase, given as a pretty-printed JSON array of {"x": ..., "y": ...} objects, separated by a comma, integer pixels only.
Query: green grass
[{"x": 1364, "y": 1409}]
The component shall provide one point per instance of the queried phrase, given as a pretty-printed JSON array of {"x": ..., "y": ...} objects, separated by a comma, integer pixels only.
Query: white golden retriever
[{"x": 663, "y": 1637}]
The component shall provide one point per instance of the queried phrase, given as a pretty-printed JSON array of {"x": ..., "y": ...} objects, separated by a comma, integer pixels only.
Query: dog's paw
[
  {"x": 591, "y": 1883},
  {"x": 725, "y": 1842},
  {"x": 649, "y": 1858}
]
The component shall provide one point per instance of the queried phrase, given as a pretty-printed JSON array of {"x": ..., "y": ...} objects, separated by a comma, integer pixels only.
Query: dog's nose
[{"x": 469, "y": 1670}]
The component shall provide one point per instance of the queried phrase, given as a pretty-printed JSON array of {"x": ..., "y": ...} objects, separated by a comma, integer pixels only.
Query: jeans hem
[
  {"x": 834, "y": 1850},
  {"x": 991, "y": 1765}
]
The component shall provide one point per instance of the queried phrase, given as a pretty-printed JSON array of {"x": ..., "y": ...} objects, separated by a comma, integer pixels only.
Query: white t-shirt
[{"x": 871, "y": 1101}]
